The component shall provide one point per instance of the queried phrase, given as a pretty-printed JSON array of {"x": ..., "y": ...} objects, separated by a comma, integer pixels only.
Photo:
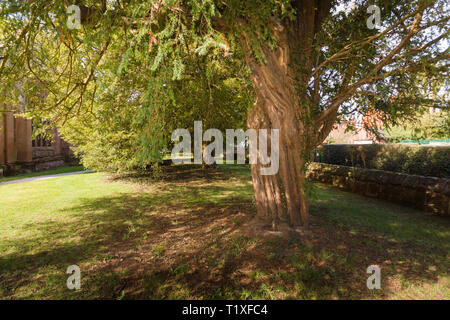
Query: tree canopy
[{"x": 309, "y": 63}]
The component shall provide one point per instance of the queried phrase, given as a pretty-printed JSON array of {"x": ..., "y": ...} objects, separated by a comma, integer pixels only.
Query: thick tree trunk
[
  {"x": 282, "y": 103},
  {"x": 281, "y": 198}
]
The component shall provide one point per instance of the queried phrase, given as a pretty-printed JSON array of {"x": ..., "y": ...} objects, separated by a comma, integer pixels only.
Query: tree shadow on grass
[
  {"x": 105, "y": 229},
  {"x": 185, "y": 173},
  {"x": 188, "y": 241}
]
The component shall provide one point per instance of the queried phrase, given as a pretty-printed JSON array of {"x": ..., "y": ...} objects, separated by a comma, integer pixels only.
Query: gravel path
[{"x": 44, "y": 177}]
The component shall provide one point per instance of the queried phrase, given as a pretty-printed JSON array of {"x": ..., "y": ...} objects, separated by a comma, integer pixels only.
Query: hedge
[{"x": 433, "y": 161}]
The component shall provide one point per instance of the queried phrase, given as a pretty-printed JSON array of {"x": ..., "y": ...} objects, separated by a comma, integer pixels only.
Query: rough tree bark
[{"x": 281, "y": 103}]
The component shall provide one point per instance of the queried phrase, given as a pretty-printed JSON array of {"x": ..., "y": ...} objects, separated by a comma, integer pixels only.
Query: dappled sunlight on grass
[
  {"x": 393, "y": 221},
  {"x": 184, "y": 236}
]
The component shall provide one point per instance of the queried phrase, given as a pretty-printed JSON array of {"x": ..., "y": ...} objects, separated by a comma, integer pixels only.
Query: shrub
[{"x": 431, "y": 161}]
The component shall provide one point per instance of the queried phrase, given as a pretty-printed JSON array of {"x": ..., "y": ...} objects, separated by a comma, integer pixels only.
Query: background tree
[
  {"x": 309, "y": 62},
  {"x": 426, "y": 125},
  {"x": 122, "y": 134}
]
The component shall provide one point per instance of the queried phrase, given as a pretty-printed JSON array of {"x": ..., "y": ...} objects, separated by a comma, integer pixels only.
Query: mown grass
[
  {"x": 67, "y": 169},
  {"x": 185, "y": 236}
]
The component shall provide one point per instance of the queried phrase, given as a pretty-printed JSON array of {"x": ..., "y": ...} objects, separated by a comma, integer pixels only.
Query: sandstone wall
[
  {"x": 43, "y": 152},
  {"x": 424, "y": 193}
]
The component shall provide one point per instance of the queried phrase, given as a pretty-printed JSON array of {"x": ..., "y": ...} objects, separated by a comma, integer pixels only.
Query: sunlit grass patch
[{"x": 183, "y": 237}]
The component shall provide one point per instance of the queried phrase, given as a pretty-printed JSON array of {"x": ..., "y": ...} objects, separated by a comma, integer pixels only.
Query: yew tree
[{"x": 309, "y": 61}]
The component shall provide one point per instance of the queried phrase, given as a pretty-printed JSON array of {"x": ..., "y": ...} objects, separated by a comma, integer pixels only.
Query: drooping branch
[{"x": 348, "y": 91}]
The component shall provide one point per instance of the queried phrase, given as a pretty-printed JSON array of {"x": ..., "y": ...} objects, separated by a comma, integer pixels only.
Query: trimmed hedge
[{"x": 432, "y": 161}]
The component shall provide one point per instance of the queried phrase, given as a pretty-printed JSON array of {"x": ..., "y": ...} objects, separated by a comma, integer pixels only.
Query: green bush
[{"x": 431, "y": 161}]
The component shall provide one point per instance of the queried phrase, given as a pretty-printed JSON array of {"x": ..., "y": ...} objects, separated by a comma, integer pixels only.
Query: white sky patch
[{"x": 346, "y": 7}]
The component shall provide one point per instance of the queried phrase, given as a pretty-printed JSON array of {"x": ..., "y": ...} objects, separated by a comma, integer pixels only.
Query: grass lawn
[
  {"x": 186, "y": 237},
  {"x": 44, "y": 173}
]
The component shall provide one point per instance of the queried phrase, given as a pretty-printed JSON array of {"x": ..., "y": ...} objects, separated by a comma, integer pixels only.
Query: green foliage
[
  {"x": 130, "y": 128},
  {"x": 424, "y": 161},
  {"x": 428, "y": 126},
  {"x": 136, "y": 71}
]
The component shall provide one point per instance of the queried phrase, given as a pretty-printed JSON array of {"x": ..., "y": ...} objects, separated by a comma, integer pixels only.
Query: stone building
[{"x": 20, "y": 153}]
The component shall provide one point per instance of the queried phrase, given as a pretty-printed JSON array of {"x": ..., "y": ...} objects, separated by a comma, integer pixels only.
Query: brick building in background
[
  {"x": 19, "y": 153},
  {"x": 360, "y": 135}
]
